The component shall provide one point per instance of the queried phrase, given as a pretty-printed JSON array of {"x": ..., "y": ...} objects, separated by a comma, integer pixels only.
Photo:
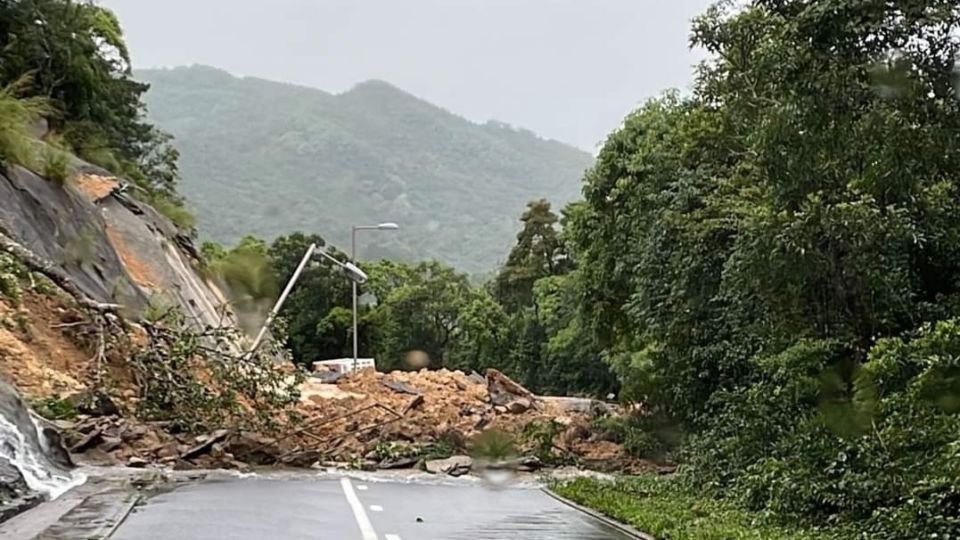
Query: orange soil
[
  {"x": 341, "y": 426},
  {"x": 95, "y": 187},
  {"x": 139, "y": 271},
  {"x": 37, "y": 357}
]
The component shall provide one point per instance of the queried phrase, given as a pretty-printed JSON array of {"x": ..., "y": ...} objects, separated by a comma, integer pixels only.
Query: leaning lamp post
[
  {"x": 388, "y": 226},
  {"x": 354, "y": 274}
]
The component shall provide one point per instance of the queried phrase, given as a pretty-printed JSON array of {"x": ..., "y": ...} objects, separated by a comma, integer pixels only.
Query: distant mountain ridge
[{"x": 267, "y": 158}]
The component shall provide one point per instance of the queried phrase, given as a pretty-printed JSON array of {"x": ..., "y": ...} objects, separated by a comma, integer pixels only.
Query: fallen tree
[{"x": 53, "y": 272}]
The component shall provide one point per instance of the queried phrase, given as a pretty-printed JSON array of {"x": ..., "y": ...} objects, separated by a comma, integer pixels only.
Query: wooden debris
[{"x": 206, "y": 445}]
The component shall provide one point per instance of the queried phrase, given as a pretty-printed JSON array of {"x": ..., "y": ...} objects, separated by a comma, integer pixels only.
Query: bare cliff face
[{"x": 116, "y": 249}]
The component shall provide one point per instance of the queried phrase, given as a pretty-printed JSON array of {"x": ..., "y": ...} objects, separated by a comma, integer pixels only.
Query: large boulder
[{"x": 453, "y": 466}]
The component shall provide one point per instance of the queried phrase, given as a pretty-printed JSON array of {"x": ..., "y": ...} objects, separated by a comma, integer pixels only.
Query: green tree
[
  {"x": 572, "y": 362},
  {"x": 788, "y": 198},
  {"x": 314, "y": 310},
  {"x": 482, "y": 338},
  {"x": 539, "y": 252},
  {"x": 417, "y": 309},
  {"x": 76, "y": 57}
]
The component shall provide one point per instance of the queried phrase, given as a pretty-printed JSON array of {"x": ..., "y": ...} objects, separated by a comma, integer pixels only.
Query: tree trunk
[{"x": 52, "y": 272}]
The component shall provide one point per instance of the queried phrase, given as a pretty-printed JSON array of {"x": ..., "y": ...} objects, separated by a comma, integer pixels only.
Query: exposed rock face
[
  {"x": 117, "y": 249},
  {"x": 57, "y": 223}
]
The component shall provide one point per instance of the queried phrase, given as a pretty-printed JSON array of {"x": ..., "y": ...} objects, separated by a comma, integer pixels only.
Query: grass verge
[{"x": 659, "y": 507}]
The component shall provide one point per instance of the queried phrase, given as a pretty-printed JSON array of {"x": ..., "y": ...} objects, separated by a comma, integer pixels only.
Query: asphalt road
[{"x": 348, "y": 509}]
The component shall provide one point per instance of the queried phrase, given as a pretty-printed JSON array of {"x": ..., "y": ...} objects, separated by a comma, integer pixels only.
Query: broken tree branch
[
  {"x": 100, "y": 354},
  {"x": 60, "y": 278},
  {"x": 70, "y": 324},
  {"x": 310, "y": 424}
]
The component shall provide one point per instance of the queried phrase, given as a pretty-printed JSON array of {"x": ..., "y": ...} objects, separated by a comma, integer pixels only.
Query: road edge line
[
  {"x": 622, "y": 527},
  {"x": 132, "y": 500},
  {"x": 363, "y": 521}
]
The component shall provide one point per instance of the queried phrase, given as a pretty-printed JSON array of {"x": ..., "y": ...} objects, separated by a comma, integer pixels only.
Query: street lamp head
[
  {"x": 388, "y": 226},
  {"x": 354, "y": 273}
]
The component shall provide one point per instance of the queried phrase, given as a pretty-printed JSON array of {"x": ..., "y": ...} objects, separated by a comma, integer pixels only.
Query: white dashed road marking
[
  {"x": 392, "y": 537},
  {"x": 376, "y": 508},
  {"x": 366, "y": 528},
  {"x": 361, "y": 487}
]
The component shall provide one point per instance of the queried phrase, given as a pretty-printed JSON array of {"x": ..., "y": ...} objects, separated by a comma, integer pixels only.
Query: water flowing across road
[{"x": 34, "y": 450}]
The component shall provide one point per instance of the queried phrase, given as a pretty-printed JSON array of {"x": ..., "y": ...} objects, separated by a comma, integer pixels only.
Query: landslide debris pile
[
  {"x": 371, "y": 420},
  {"x": 402, "y": 419}
]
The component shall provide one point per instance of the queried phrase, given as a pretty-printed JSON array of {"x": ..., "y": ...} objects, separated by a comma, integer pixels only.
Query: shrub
[
  {"x": 174, "y": 211},
  {"x": 17, "y": 145},
  {"x": 877, "y": 453},
  {"x": 643, "y": 444},
  {"x": 610, "y": 428},
  {"x": 54, "y": 408},
  {"x": 493, "y": 445},
  {"x": 541, "y": 436},
  {"x": 647, "y": 435},
  {"x": 56, "y": 167},
  {"x": 12, "y": 273}
]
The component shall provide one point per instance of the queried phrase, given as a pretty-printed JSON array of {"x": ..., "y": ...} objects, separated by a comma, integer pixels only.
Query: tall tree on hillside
[
  {"x": 74, "y": 54},
  {"x": 418, "y": 310},
  {"x": 538, "y": 253},
  {"x": 798, "y": 193}
]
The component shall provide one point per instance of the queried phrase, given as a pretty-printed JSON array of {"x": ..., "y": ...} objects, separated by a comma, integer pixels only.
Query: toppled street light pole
[{"x": 354, "y": 273}]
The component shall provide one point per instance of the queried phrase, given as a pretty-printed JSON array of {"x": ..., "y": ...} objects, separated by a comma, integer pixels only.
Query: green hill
[{"x": 267, "y": 158}]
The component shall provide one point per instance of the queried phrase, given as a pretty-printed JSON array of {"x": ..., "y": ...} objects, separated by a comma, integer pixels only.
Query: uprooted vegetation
[
  {"x": 201, "y": 380},
  {"x": 85, "y": 360}
]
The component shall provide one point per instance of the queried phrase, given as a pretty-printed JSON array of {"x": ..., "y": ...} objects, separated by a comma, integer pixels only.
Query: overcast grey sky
[{"x": 566, "y": 69}]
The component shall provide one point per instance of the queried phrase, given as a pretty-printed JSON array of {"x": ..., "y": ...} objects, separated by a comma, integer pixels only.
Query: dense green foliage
[
  {"x": 660, "y": 507},
  {"x": 773, "y": 262},
  {"x": 67, "y": 63},
  {"x": 291, "y": 159},
  {"x": 18, "y": 113},
  {"x": 418, "y": 311},
  {"x": 524, "y": 322}
]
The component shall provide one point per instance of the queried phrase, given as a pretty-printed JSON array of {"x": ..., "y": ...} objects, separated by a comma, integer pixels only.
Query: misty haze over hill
[{"x": 268, "y": 158}]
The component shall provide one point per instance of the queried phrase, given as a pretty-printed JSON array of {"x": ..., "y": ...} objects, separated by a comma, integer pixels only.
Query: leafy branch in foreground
[{"x": 199, "y": 380}]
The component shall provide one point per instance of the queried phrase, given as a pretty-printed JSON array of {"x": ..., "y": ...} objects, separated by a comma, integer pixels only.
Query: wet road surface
[{"x": 348, "y": 509}]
